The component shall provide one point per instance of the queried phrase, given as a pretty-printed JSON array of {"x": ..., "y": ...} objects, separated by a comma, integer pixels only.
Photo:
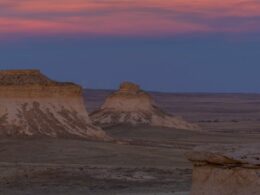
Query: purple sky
[{"x": 170, "y": 45}]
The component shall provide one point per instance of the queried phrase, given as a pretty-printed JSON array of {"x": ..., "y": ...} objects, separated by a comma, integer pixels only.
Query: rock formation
[
  {"x": 33, "y": 105},
  {"x": 131, "y": 105},
  {"x": 226, "y": 170}
]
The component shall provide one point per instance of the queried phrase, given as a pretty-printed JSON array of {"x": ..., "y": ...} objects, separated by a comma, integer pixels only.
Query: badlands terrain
[{"x": 141, "y": 160}]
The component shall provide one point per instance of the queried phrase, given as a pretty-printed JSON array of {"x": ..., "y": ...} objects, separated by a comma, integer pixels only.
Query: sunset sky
[{"x": 165, "y": 45}]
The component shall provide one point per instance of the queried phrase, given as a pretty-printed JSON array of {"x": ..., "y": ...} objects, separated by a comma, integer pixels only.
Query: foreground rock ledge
[
  {"x": 226, "y": 170},
  {"x": 131, "y": 105},
  {"x": 33, "y": 105}
]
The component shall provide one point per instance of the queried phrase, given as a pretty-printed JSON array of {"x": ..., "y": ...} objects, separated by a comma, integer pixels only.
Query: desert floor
[{"x": 142, "y": 160}]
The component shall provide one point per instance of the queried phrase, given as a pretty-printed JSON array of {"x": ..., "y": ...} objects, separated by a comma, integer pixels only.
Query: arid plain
[{"x": 140, "y": 160}]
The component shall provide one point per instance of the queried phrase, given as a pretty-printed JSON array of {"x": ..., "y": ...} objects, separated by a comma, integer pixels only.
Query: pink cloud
[{"x": 129, "y": 17}]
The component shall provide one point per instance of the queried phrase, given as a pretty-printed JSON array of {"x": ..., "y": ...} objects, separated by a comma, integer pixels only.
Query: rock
[
  {"x": 33, "y": 105},
  {"x": 226, "y": 170},
  {"x": 130, "y": 105},
  {"x": 129, "y": 88}
]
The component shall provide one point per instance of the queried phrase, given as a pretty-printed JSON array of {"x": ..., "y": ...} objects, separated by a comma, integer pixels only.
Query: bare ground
[{"x": 142, "y": 160}]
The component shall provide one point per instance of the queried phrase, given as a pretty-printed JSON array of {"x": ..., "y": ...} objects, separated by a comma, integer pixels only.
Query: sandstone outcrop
[
  {"x": 33, "y": 105},
  {"x": 226, "y": 170},
  {"x": 131, "y": 105}
]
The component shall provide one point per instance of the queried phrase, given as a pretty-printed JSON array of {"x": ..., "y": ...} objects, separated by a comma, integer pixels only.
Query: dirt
[{"x": 141, "y": 160}]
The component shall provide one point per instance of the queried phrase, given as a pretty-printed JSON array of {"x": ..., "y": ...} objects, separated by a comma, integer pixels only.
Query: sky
[{"x": 163, "y": 45}]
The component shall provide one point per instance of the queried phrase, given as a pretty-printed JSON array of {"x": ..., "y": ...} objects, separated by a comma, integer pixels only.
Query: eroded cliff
[
  {"x": 33, "y": 105},
  {"x": 131, "y": 105}
]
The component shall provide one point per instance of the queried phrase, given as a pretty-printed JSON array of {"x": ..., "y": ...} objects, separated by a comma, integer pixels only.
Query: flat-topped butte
[{"x": 31, "y": 104}]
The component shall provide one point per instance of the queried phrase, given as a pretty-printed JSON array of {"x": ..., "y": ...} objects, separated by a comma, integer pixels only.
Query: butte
[
  {"x": 132, "y": 106},
  {"x": 33, "y": 105}
]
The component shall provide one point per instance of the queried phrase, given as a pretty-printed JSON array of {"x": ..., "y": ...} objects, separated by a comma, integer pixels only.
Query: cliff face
[
  {"x": 226, "y": 170},
  {"x": 33, "y": 105},
  {"x": 131, "y": 105}
]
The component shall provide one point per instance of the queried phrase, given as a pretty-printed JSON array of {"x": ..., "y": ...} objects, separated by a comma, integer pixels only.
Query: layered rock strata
[
  {"x": 33, "y": 105},
  {"x": 226, "y": 170},
  {"x": 131, "y": 105}
]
